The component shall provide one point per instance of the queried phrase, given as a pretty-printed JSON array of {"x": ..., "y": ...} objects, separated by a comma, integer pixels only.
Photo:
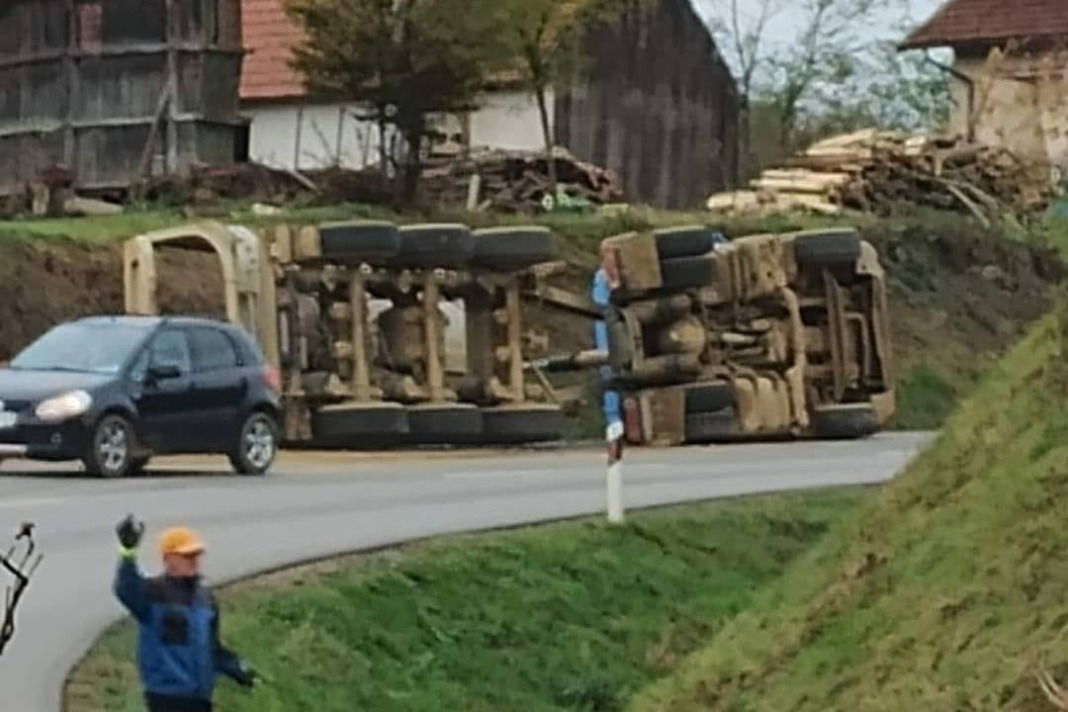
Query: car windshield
[{"x": 83, "y": 348}]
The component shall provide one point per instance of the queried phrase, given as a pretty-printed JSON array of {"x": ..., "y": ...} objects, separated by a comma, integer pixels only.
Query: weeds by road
[
  {"x": 948, "y": 593},
  {"x": 574, "y": 616}
]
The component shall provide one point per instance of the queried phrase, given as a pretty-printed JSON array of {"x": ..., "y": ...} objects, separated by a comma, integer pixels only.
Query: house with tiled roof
[
  {"x": 658, "y": 106},
  {"x": 1009, "y": 78},
  {"x": 289, "y": 129}
]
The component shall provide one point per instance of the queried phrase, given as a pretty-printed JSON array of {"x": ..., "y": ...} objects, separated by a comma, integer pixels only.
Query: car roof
[{"x": 150, "y": 322}]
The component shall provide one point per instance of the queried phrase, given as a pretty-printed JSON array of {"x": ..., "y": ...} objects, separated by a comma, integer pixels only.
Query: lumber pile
[
  {"x": 876, "y": 171},
  {"x": 516, "y": 181}
]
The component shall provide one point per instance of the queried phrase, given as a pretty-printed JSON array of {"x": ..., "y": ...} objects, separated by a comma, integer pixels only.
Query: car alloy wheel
[
  {"x": 258, "y": 446},
  {"x": 111, "y": 448}
]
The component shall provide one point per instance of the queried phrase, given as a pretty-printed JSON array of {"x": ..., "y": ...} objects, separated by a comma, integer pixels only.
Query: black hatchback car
[{"x": 112, "y": 391}]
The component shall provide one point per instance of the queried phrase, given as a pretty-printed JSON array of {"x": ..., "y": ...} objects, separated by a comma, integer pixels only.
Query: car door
[
  {"x": 218, "y": 388},
  {"x": 164, "y": 403}
]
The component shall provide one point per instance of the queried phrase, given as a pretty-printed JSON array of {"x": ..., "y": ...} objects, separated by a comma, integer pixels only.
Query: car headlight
[{"x": 64, "y": 407}]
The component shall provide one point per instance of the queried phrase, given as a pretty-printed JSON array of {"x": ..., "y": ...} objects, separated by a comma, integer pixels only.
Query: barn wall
[
  {"x": 81, "y": 83},
  {"x": 657, "y": 105}
]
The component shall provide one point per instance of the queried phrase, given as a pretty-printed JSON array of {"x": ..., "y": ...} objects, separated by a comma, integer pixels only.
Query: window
[
  {"x": 80, "y": 346},
  {"x": 170, "y": 348},
  {"x": 212, "y": 350}
]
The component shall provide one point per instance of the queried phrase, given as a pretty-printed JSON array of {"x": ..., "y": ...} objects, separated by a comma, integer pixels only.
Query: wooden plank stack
[
  {"x": 516, "y": 181},
  {"x": 875, "y": 171}
]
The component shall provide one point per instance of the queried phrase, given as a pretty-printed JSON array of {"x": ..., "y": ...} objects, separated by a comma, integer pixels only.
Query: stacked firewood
[
  {"x": 517, "y": 181},
  {"x": 876, "y": 171}
]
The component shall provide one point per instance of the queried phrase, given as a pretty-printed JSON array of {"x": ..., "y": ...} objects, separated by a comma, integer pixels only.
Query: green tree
[
  {"x": 402, "y": 60},
  {"x": 545, "y": 37}
]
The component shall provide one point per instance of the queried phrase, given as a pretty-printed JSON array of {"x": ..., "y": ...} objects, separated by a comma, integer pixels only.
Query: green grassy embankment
[
  {"x": 960, "y": 294},
  {"x": 949, "y": 591},
  {"x": 571, "y": 616}
]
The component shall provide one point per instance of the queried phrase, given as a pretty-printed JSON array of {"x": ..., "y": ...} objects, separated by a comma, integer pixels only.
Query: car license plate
[{"x": 7, "y": 420}]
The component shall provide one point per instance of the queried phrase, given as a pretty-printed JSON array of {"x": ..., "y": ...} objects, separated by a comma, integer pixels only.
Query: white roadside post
[{"x": 614, "y": 483}]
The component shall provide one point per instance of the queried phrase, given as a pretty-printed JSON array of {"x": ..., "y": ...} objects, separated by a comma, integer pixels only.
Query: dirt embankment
[{"x": 43, "y": 284}]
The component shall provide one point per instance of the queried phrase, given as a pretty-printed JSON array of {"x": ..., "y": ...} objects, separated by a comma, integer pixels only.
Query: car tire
[
  {"x": 111, "y": 448},
  {"x": 708, "y": 428},
  {"x": 356, "y": 242},
  {"x": 827, "y": 249},
  {"x": 257, "y": 445},
  {"x": 684, "y": 273},
  {"x": 513, "y": 248},
  {"x": 690, "y": 241},
  {"x": 445, "y": 424},
  {"x": 448, "y": 246},
  {"x": 848, "y": 421},
  {"x": 138, "y": 465},
  {"x": 519, "y": 425}
]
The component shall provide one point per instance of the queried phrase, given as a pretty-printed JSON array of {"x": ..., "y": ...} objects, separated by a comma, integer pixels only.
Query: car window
[
  {"x": 250, "y": 349},
  {"x": 212, "y": 349},
  {"x": 90, "y": 347},
  {"x": 171, "y": 348}
]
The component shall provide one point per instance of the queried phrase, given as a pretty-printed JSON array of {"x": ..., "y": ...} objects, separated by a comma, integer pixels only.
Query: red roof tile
[
  {"x": 269, "y": 36},
  {"x": 967, "y": 21}
]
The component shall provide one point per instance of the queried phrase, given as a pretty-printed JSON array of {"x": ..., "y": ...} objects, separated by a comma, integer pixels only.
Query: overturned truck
[
  {"x": 767, "y": 336},
  {"x": 354, "y": 316}
]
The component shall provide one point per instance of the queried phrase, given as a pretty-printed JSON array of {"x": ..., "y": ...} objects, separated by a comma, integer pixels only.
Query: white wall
[
  {"x": 310, "y": 136},
  {"x": 1019, "y": 103},
  {"x": 509, "y": 120},
  {"x": 292, "y": 135}
]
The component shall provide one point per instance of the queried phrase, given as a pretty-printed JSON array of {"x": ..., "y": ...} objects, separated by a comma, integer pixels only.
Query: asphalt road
[{"x": 321, "y": 504}]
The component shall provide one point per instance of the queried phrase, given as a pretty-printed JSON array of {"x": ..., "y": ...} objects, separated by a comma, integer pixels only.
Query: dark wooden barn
[
  {"x": 659, "y": 106},
  {"x": 116, "y": 89}
]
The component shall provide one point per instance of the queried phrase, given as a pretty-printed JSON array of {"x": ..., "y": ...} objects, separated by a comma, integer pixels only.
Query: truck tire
[
  {"x": 444, "y": 424},
  {"x": 848, "y": 421},
  {"x": 448, "y": 246},
  {"x": 705, "y": 428},
  {"x": 682, "y": 273},
  {"x": 710, "y": 397},
  {"x": 513, "y": 248},
  {"x": 689, "y": 241},
  {"x": 518, "y": 425},
  {"x": 364, "y": 241},
  {"x": 359, "y": 425},
  {"x": 827, "y": 249}
]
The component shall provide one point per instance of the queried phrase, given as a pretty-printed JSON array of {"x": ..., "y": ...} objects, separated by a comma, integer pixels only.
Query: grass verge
[
  {"x": 947, "y": 593},
  {"x": 572, "y": 616}
]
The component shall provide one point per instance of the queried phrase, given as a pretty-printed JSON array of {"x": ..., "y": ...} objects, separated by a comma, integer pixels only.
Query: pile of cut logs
[
  {"x": 875, "y": 171},
  {"x": 516, "y": 181}
]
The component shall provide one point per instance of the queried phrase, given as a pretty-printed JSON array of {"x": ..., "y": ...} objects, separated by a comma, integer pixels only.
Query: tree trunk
[
  {"x": 745, "y": 140},
  {"x": 413, "y": 165},
  {"x": 547, "y": 134}
]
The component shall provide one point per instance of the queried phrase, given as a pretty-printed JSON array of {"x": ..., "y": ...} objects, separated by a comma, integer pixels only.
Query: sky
[{"x": 785, "y": 26}]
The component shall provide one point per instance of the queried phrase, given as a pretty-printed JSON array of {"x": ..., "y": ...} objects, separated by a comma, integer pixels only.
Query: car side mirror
[{"x": 163, "y": 372}]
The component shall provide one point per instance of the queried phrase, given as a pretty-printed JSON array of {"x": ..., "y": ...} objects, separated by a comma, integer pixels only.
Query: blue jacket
[
  {"x": 178, "y": 652},
  {"x": 600, "y": 295}
]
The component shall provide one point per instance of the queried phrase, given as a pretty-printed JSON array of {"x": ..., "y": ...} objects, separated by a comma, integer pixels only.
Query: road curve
[{"x": 317, "y": 505}]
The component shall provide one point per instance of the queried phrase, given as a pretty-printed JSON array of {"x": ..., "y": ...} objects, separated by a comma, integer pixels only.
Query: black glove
[
  {"x": 246, "y": 676},
  {"x": 129, "y": 531}
]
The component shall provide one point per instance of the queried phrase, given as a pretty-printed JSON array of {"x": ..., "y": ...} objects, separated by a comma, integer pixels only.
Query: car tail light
[{"x": 273, "y": 377}]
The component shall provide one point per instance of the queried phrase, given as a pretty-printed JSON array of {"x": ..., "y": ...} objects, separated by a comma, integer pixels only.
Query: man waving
[{"x": 179, "y": 654}]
